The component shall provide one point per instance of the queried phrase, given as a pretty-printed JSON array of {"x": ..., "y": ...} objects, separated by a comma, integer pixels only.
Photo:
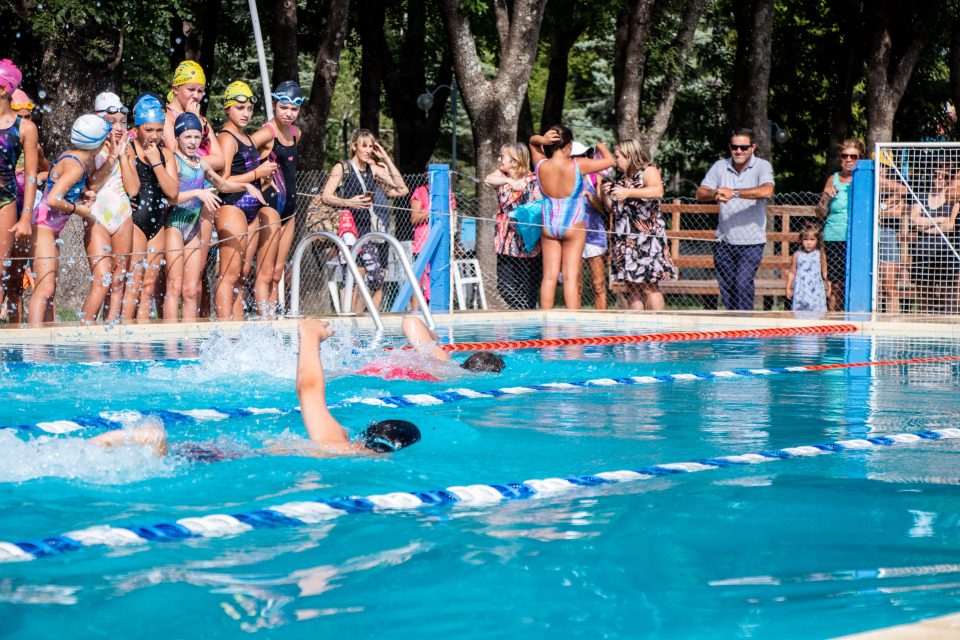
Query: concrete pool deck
[{"x": 76, "y": 333}]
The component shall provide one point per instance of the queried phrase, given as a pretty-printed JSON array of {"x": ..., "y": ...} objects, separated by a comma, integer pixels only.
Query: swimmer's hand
[
  {"x": 256, "y": 193},
  {"x": 209, "y": 198},
  {"x": 23, "y": 228},
  {"x": 319, "y": 328}
]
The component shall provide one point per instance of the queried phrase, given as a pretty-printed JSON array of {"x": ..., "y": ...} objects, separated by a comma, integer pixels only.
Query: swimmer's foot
[{"x": 314, "y": 328}]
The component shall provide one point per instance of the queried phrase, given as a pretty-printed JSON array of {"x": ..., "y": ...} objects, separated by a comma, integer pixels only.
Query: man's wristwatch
[{"x": 736, "y": 193}]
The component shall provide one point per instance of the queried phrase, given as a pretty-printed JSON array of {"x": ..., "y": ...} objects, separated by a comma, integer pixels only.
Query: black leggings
[{"x": 518, "y": 281}]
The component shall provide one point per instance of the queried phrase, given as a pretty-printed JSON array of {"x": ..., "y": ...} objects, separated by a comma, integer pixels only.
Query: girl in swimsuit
[
  {"x": 245, "y": 226},
  {"x": 65, "y": 186},
  {"x": 18, "y": 137},
  {"x": 186, "y": 93},
  {"x": 154, "y": 186},
  {"x": 109, "y": 236},
  {"x": 564, "y": 229},
  {"x": 191, "y": 219},
  {"x": 278, "y": 139}
]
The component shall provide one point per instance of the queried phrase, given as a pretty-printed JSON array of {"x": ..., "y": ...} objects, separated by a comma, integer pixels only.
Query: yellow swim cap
[
  {"x": 188, "y": 71},
  {"x": 237, "y": 91}
]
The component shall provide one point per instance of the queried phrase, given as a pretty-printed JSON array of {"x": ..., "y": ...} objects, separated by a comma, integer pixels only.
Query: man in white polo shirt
[{"x": 741, "y": 184}]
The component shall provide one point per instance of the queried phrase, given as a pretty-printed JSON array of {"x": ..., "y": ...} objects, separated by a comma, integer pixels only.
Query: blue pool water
[{"x": 813, "y": 547}]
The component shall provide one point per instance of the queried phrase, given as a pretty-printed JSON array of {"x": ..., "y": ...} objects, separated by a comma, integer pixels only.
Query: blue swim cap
[
  {"x": 148, "y": 109},
  {"x": 288, "y": 88},
  {"x": 187, "y": 122}
]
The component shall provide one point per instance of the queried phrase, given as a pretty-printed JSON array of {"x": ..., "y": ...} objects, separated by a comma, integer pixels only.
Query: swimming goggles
[
  {"x": 285, "y": 99},
  {"x": 241, "y": 98},
  {"x": 20, "y": 106},
  {"x": 110, "y": 111}
]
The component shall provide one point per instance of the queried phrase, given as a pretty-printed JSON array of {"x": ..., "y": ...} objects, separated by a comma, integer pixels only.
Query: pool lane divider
[
  {"x": 682, "y": 336},
  {"x": 110, "y": 420},
  {"x": 305, "y": 512}
]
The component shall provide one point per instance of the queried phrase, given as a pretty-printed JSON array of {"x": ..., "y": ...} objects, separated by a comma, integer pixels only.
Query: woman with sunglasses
[
  {"x": 277, "y": 140},
  {"x": 245, "y": 227},
  {"x": 108, "y": 236},
  {"x": 186, "y": 93},
  {"x": 18, "y": 136},
  {"x": 834, "y": 205}
]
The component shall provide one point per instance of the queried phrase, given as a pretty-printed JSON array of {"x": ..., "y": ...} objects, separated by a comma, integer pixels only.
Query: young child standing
[{"x": 807, "y": 284}]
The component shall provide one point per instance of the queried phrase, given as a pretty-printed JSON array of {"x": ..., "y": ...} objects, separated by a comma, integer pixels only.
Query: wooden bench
[{"x": 692, "y": 230}]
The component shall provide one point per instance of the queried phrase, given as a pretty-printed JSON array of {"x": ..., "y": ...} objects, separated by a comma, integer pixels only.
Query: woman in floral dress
[{"x": 641, "y": 256}]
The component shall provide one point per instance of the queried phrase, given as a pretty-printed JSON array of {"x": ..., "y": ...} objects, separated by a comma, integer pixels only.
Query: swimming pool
[{"x": 810, "y": 547}]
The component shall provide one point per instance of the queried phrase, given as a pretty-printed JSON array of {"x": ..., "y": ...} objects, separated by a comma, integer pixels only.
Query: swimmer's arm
[
  {"x": 321, "y": 426},
  {"x": 169, "y": 135},
  {"x": 154, "y": 437},
  {"x": 215, "y": 156},
  {"x": 128, "y": 172},
  {"x": 31, "y": 161},
  {"x": 590, "y": 165},
  {"x": 223, "y": 186},
  {"x": 497, "y": 179},
  {"x": 422, "y": 339},
  {"x": 263, "y": 138}
]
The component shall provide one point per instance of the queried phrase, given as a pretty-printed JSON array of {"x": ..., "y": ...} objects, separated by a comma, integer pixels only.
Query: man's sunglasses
[
  {"x": 114, "y": 110},
  {"x": 241, "y": 98},
  {"x": 284, "y": 99},
  {"x": 20, "y": 106},
  {"x": 740, "y": 147}
]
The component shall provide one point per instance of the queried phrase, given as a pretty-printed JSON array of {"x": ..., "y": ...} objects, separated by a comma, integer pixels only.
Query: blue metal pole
[
  {"x": 860, "y": 262},
  {"x": 436, "y": 250}
]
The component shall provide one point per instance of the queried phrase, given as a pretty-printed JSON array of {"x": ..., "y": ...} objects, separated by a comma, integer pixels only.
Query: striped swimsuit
[{"x": 559, "y": 214}]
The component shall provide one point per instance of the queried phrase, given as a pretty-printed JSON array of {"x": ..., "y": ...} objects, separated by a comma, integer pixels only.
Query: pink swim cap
[
  {"x": 10, "y": 76},
  {"x": 20, "y": 97}
]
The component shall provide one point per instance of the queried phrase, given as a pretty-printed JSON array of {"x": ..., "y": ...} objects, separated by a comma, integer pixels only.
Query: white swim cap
[
  {"x": 89, "y": 131},
  {"x": 106, "y": 100}
]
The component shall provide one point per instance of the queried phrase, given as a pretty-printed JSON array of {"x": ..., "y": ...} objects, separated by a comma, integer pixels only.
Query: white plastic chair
[{"x": 467, "y": 272}]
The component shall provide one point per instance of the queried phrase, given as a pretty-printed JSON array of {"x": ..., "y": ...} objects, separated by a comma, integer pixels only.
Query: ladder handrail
[
  {"x": 405, "y": 265},
  {"x": 351, "y": 269}
]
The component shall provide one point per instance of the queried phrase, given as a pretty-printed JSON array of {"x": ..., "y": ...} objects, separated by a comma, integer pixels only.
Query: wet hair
[
  {"x": 636, "y": 152},
  {"x": 566, "y": 137},
  {"x": 388, "y": 436},
  {"x": 361, "y": 134},
  {"x": 484, "y": 362},
  {"x": 520, "y": 154},
  {"x": 743, "y": 132}
]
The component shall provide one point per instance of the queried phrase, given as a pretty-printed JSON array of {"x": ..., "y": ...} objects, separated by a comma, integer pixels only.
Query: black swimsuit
[
  {"x": 246, "y": 159},
  {"x": 284, "y": 197},
  {"x": 149, "y": 205}
]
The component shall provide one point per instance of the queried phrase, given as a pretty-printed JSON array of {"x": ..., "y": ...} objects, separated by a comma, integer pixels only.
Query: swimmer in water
[
  {"x": 327, "y": 437},
  {"x": 425, "y": 341}
]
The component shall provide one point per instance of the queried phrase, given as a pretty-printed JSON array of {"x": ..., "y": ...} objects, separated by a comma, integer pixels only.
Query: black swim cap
[
  {"x": 387, "y": 436},
  {"x": 484, "y": 362},
  {"x": 288, "y": 88}
]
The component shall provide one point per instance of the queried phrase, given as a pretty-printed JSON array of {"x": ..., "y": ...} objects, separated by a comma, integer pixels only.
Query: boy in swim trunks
[{"x": 327, "y": 437}]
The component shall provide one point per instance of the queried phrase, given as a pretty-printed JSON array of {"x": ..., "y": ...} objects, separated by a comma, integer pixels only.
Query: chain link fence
[{"x": 514, "y": 282}]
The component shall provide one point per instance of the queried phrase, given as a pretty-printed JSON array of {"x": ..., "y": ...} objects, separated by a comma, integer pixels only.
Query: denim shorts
[{"x": 889, "y": 245}]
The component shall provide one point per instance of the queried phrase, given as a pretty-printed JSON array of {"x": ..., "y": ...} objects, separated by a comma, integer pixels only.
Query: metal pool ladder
[
  {"x": 404, "y": 264},
  {"x": 354, "y": 274}
]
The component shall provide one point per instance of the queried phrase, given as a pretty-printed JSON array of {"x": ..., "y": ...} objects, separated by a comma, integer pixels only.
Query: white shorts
[{"x": 592, "y": 251}]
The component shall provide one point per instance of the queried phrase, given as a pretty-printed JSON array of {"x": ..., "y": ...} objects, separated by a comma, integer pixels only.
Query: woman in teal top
[{"x": 835, "y": 207}]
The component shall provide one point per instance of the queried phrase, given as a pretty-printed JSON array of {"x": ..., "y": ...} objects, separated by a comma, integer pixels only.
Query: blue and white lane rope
[
  {"x": 299, "y": 513},
  {"x": 108, "y": 420}
]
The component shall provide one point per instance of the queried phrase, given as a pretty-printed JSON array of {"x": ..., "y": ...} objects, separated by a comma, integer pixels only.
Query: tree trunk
[
  {"x": 284, "y": 42},
  {"x": 209, "y": 23},
  {"x": 629, "y": 62},
  {"x": 848, "y": 69},
  {"x": 493, "y": 105},
  {"x": 676, "y": 62},
  {"x": 371, "y": 18},
  {"x": 887, "y": 75},
  {"x": 314, "y": 112},
  {"x": 525, "y": 122},
  {"x": 751, "y": 86},
  {"x": 417, "y": 133},
  {"x": 955, "y": 74},
  {"x": 561, "y": 41}
]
